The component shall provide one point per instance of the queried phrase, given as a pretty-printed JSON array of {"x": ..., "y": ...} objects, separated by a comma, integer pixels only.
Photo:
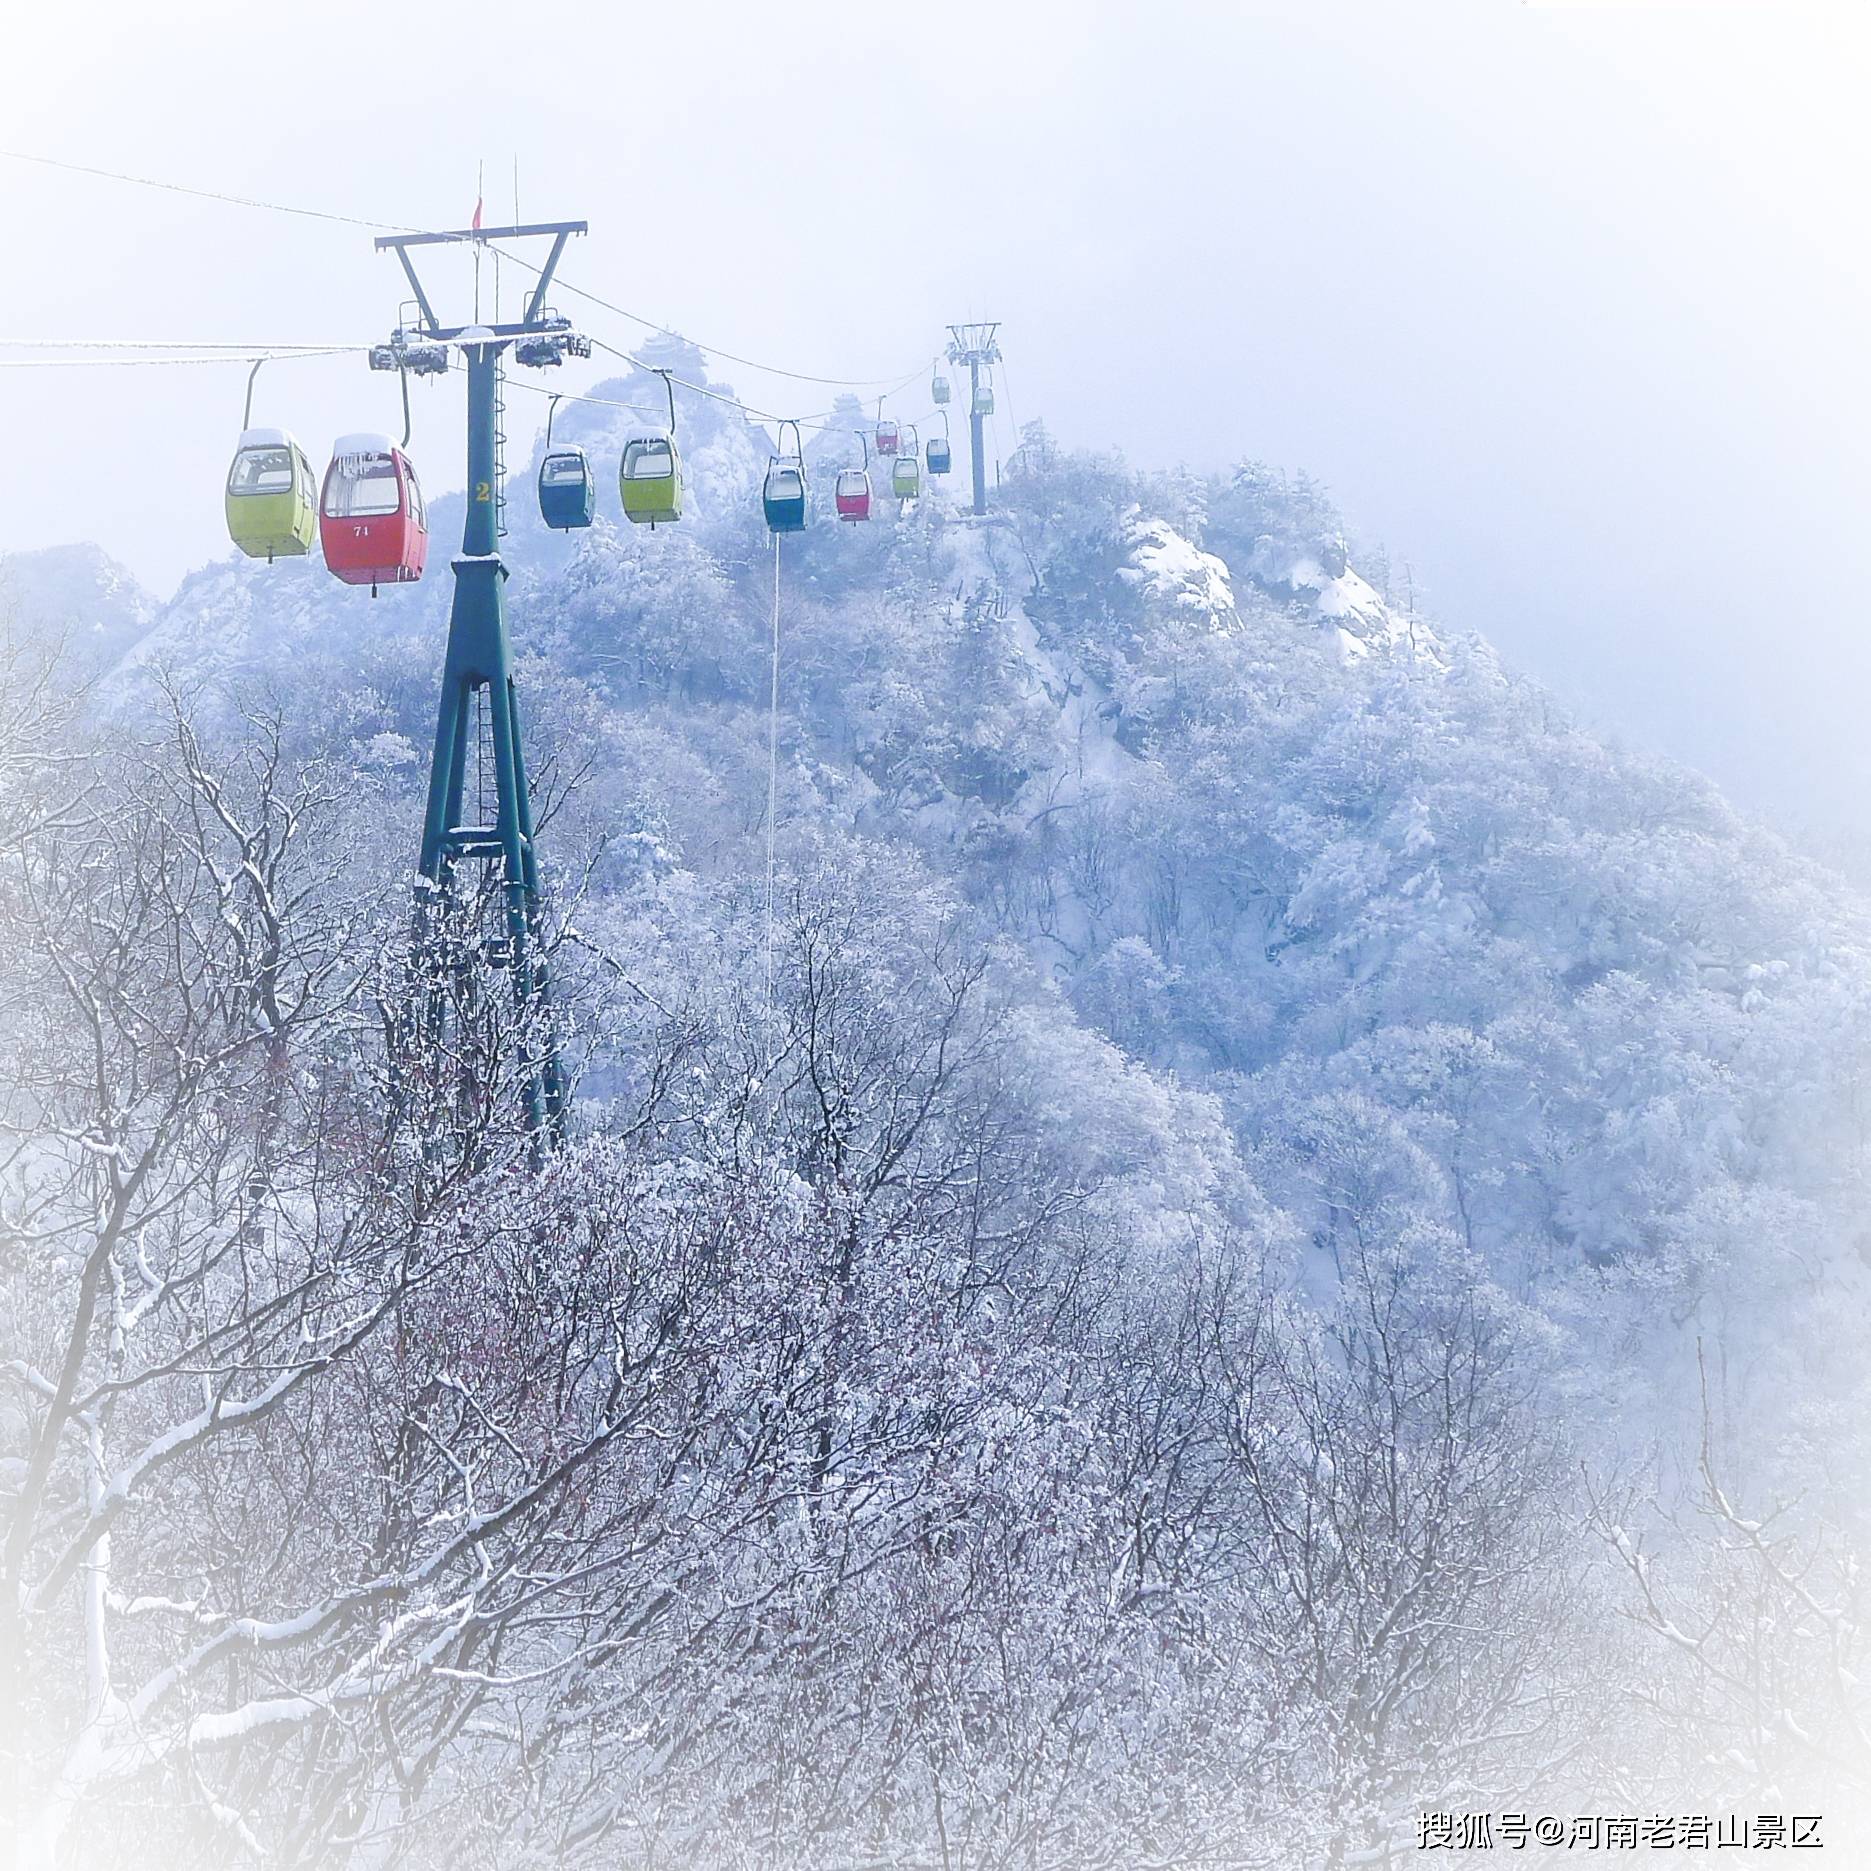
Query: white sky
[{"x": 1566, "y": 302}]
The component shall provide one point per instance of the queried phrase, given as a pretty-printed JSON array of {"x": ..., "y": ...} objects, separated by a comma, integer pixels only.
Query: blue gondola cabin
[
  {"x": 567, "y": 492},
  {"x": 783, "y": 496}
]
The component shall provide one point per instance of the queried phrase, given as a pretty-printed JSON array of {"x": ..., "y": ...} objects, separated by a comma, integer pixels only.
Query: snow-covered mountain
[
  {"x": 1307, "y": 925},
  {"x": 78, "y": 598},
  {"x": 1254, "y": 820}
]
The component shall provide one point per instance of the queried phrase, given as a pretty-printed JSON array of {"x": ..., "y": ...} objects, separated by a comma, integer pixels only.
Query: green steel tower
[
  {"x": 974, "y": 345},
  {"x": 477, "y": 670}
]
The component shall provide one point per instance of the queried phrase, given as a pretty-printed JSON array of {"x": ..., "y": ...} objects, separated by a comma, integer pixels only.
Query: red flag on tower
[{"x": 475, "y": 224}]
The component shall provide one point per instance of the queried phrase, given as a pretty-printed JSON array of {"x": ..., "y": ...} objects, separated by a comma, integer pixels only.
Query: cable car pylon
[
  {"x": 975, "y": 346},
  {"x": 479, "y": 660}
]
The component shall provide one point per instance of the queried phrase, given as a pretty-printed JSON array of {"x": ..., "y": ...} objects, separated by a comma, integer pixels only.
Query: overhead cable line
[
  {"x": 573, "y": 396},
  {"x": 272, "y": 348},
  {"x": 245, "y": 356},
  {"x": 391, "y": 227},
  {"x": 822, "y": 422},
  {"x": 715, "y": 350},
  {"x": 640, "y": 409},
  {"x": 202, "y": 194},
  {"x": 698, "y": 389},
  {"x": 818, "y": 420}
]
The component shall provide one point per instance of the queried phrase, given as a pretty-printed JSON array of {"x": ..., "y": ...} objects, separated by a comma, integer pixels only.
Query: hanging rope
[
  {"x": 773, "y": 764},
  {"x": 1013, "y": 418}
]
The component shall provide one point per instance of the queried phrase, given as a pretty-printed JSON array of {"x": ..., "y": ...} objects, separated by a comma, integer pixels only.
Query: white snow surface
[
  {"x": 1174, "y": 571},
  {"x": 1344, "y": 603}
]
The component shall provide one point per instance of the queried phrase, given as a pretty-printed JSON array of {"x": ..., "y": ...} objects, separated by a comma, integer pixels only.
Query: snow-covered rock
[
  {"x": 1333, "y": 595},
  {"x": 1172, "y": 571}
]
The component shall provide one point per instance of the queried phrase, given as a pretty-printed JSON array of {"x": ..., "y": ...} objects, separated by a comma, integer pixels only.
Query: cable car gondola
[
  {"x": 649, "y": 479},
  {"x": 567, "y": 492},
  {"x": 887, "y": 434},
  {"x": 938, "y": 386},
  {"x": 783, "y": 493},
  {"x": 371, "y": 520},
  {"x": 938, "y": 451},
  {"x": 271, "y": 499},
  {"x": 906, "y": 473},
  {"x": 984, "y": 397},
  {"x": 852, "y": 495}
]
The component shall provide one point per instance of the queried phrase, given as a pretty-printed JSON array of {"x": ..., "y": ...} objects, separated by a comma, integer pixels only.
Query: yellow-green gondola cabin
[
  {"x": 650, "y": 480},
  {"x": 272, "y": 499}
]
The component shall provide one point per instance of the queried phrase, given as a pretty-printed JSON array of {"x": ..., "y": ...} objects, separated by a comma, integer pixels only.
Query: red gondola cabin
[
  {"x": 371, "y": 521},
  {"x": 887, "y": 437},
  {"x": 852, "y": 495}
]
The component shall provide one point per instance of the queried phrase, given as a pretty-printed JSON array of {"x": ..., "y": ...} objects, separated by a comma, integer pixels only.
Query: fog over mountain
[{"x": 1562, "y": 300}]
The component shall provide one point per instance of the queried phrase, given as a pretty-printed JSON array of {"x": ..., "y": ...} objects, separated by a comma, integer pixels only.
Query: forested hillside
[{"x": 1261, "y": 1234}]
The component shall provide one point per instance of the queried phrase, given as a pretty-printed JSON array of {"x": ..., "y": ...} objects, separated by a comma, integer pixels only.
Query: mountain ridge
[{"x": 1257, "y": 826}]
